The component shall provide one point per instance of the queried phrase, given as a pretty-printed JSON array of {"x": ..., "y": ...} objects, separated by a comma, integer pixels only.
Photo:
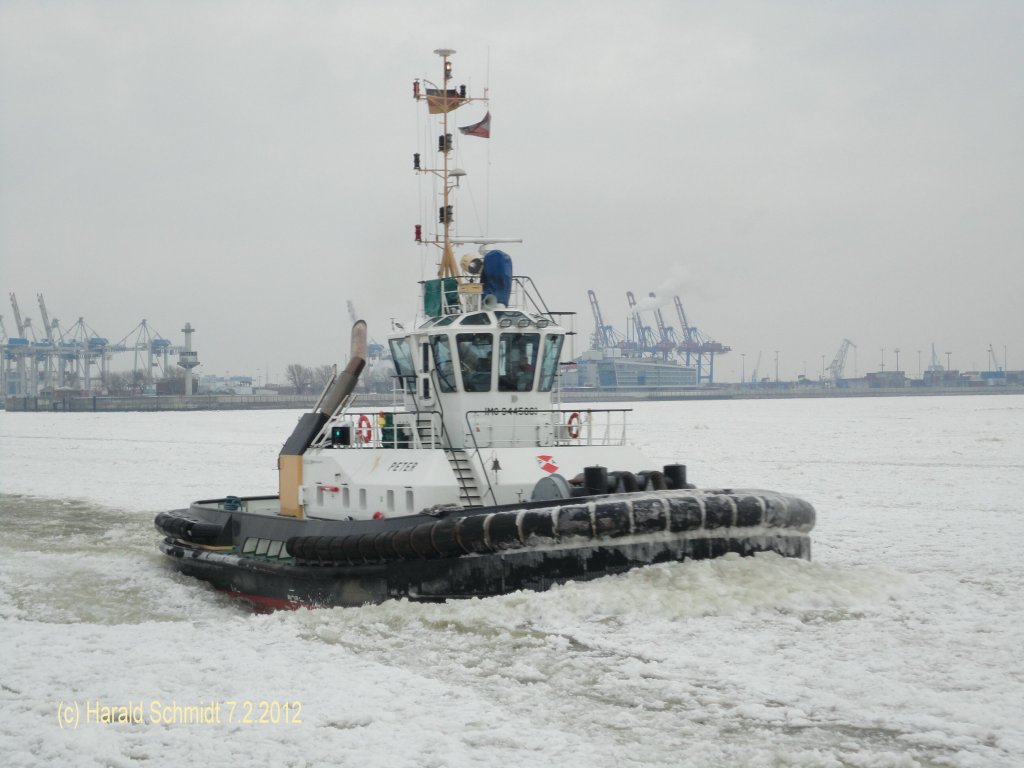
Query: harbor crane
[
  {"x": 604, "y": 335},
  {"x": 25, "y": 355},
  {"x": 644, "y": 335},
  {"x": 142, "y": 339},
  {"x": 669, "y": 340},
  {"x": 87, "y": 348},
  {"x": 76, "y": 358},
  {"x": 47, "y": 325},
  {"x": 697, "y": 348},
  {"x": 757, "y": 365},
  {"x": 835, "y": 370},
  {"x": 49, "y": 373},
  {"x": 5, "y": 358},
  {"x": 993, "y": 361},
  {"x": 24, "y": 325}
]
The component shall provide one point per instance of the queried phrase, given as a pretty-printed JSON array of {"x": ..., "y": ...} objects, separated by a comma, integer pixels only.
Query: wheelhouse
[{"x": 502, "y": 351}]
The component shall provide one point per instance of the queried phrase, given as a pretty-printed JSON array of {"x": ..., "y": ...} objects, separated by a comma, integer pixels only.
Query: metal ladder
[
  {"x": 469, "y": 493},
  {"x": 427, "y": 437}
]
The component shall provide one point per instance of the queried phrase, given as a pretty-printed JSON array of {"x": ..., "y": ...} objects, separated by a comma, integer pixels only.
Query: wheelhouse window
[
  {"x": 549, "y": 362},
  {"x": 517, "y": 361},
  {"x": 403, "y": 363},
  {"x": 443, "y": 363},
  {"x": 475, "y": 356}
]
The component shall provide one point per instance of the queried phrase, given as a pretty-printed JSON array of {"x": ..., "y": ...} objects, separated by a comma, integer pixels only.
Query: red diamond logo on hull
[{"x": 547, "y": 463}]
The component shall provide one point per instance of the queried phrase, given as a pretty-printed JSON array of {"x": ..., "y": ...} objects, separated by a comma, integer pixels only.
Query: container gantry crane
[
  {"x": 142, "y": 339},
  {"x": 668, "y": 339},
  {"x": 48, "y": 327},
  {"x": 47, "y": 348},
  {"x": 697, "y": 348},
  {"x": 644, "y": 335},
  {"x": 24, "y": 325},
  {"x": 604, "y": 335},
  {"x": 26, "y": 355}
]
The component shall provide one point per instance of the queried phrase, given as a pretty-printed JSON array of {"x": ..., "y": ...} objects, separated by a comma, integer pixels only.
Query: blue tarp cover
[{"x": 497, "y": 275}]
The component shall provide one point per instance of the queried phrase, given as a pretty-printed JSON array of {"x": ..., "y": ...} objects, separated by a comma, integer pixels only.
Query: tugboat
[{"x": 479, "y": 483}]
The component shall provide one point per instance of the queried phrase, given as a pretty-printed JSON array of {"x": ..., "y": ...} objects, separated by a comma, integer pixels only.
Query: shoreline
[{"x": 97, "y": 404}]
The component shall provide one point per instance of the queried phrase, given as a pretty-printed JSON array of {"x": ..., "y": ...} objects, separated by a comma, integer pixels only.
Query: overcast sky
[{"x": 798, "y": 172}]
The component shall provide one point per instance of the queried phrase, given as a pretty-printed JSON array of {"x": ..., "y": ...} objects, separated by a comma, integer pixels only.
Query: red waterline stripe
[{"x": 265, "y": 603}]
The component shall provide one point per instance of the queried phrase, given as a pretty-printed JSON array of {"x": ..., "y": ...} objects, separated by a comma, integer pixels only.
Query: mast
[
  {"x": 460, "y": 282},
  {"x": 442, "y": 100},
  {"x": 444, "y": 146}
]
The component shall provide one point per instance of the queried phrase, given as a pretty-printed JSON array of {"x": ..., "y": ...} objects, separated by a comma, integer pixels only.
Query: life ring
[
  {"x": 572, "y": 425},
  {"x": 364, "y": 430}
]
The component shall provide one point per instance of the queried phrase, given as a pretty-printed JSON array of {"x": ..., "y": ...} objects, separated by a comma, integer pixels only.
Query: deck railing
[
  {"x": 387, "y": 428},
  {"x": 511, "y": 428},
  {"x": 489, "y": 428}
]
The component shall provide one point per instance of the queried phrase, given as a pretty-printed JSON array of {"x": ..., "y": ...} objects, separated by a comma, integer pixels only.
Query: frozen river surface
[{"x": 901, "y": 644}]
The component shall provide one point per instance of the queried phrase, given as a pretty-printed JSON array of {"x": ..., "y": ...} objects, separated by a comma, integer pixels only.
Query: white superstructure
[
  {"x": 481, "y": 422},
  {"x": 480, "y": 426}
]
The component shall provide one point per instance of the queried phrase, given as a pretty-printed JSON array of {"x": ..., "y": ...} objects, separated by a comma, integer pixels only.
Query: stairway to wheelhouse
[
  {"x": 427, "y": 436},
  {"x": 469, "y": 491}
]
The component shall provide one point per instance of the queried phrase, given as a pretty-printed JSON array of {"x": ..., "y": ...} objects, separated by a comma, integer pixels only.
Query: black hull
[
  {"x": 481, "y": 553},
  {"x": 283, "y": 586}
]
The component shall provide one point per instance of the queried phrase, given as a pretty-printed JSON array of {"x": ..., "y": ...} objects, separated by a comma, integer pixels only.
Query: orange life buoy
[
  {"x": 572, "y": 426},
  {"x": 364, "y": 430}
]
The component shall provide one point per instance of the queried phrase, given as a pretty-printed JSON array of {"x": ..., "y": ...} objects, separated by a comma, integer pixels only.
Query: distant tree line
[
  {"x": 134, "y": 383},
  {"x": 307, "y": 380},
  {"x": 128, "y": 383}
]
